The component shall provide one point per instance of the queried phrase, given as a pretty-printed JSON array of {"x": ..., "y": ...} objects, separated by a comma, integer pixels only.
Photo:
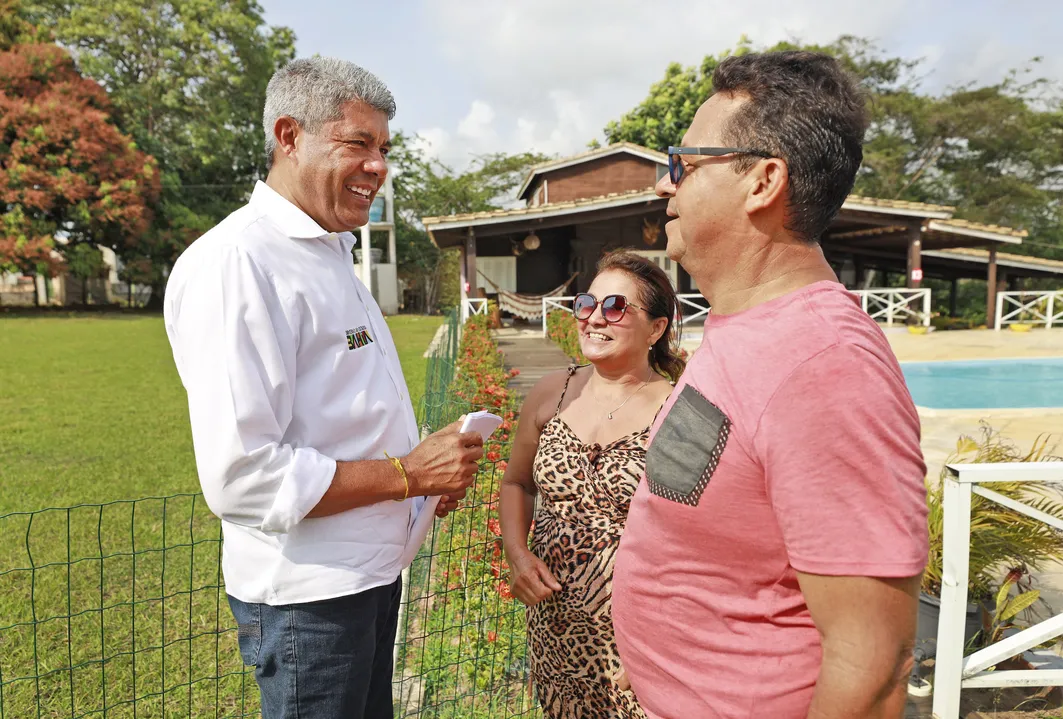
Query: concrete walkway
[{"x": 534, "y": 356}]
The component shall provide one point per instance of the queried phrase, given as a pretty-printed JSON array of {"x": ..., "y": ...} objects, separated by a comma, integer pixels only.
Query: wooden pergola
[{"x": 916, "y": 239}]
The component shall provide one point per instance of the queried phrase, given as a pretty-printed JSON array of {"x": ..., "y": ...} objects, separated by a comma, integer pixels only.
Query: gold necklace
[{"x": 609, "y": 414}]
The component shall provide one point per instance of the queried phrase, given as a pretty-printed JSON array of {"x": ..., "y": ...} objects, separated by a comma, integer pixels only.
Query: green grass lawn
[
  {"x": 92, "y": 410},
  {"x": 115, "y": 608}
]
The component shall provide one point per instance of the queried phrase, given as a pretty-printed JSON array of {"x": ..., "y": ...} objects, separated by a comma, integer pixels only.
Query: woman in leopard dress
[{"x": 581, "y": 450}]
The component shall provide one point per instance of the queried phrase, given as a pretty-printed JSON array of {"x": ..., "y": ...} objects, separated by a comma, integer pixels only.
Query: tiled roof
[
  {"x": 897, "y": 204},
  {"x": 1056, "y": 265},
  {"x": 979, "y": 227},
  {"x": 608, "y": 149},
  {"x": 551, "y": 208},
  {"x": 605, "y": 199},
  {"x": 648, "y": 194}
]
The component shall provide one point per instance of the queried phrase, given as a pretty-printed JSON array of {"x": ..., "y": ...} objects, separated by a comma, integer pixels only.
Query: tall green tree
[
  {"x": 426, "y": 187},
  {"x": 188, "y": 81},
  {"x": 66, "y": 171},
  {"x": 994, "y": 151}
]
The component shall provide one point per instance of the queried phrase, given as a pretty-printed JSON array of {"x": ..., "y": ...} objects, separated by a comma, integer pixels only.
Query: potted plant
[
  {"x": 1003, "y": 542},
  {"x": 916, "y": 325},
  {"x": 494, "y": 315},
  {"x": 1027, "y": 314}
]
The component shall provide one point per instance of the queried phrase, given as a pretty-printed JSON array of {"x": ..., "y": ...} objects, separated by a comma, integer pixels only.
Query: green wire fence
[{"x": 118, "y": 610}]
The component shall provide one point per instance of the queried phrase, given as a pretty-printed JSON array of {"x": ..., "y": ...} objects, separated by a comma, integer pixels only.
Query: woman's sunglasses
[{"x": 614, "y": 307}]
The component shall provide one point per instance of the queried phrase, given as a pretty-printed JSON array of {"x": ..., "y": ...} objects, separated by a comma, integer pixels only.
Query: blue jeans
[{"x": 322, "y": 660}]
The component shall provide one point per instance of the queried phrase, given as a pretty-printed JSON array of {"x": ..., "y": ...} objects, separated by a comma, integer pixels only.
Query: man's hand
[
  {"x": 444, "y": 463},
  {"x": 532, "y": 580},
  {"x": 448, "y": 503}
]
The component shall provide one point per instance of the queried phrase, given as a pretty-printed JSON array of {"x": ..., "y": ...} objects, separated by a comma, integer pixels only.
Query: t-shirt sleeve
[{"x": 844, "y": 470}]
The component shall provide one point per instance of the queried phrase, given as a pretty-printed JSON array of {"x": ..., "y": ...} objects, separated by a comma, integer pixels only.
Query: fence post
[
  {"x": 1051, "y": 309},
  {"x": 1000, "y": 311},
  {"x": 926, "y": 307},
  {"x": 955, "y": 558},
  {"x": 544, "y": 317}
]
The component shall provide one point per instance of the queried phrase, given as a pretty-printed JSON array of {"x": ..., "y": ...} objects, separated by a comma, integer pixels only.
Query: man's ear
[
  {"x": 769, "y": 183},
  {"x": 286, "y": 131}
]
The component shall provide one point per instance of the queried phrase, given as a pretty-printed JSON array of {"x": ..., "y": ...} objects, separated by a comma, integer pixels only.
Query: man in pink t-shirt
[{"x": 771, "y": 561}]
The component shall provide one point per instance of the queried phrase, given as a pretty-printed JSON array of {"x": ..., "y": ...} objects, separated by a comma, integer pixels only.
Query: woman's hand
[{"x": 532, "y": 580}]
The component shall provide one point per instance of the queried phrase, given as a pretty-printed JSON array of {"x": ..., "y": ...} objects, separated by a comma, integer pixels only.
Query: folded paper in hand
[{"x": 483, "y": 422}]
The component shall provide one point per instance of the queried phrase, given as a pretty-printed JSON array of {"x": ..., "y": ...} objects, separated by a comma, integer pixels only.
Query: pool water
[{"x": 986, "y": 384}]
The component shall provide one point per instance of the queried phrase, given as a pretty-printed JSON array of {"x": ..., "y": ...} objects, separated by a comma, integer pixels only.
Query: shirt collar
[{"x": 292, "y": 221}]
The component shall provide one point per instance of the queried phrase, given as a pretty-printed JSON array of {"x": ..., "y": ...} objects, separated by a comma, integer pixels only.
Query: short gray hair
[{"x": 312, "y": 92}]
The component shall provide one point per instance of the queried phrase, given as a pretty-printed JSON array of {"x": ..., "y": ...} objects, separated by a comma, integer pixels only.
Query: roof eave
[
  {"x": 928, "y": 212},
  {"x": 543, "y": 211},
  {"x": 999, "y": 237}
]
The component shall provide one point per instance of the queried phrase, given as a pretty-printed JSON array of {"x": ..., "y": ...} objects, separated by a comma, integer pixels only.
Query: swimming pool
[{"x": 986, "y": 384}]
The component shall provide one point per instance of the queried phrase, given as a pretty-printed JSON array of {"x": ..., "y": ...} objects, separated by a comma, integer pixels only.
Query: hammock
[{"x": 529, "y": 307}]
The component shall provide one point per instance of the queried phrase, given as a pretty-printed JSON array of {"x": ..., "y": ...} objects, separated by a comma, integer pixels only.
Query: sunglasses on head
[
  {"x": 614, "y": 307},
  {"x": 675, "y": 165}
]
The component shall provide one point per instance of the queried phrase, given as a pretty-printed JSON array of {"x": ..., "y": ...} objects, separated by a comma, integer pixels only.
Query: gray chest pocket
[{"x": 687, "y": 448}]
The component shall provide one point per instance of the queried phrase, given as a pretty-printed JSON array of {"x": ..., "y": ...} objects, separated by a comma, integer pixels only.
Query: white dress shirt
[{"x": 289, "y": 368}]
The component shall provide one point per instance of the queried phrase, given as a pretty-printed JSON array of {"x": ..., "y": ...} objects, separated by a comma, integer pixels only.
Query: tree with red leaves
[{"x": 65, "y": 169}]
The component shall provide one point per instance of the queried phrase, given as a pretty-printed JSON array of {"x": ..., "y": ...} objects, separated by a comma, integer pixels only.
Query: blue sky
[{"x": 474, "y": 76}]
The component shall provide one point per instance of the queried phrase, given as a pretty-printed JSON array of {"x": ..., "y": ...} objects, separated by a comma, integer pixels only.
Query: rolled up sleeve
[{"x": 235, "y": 350}]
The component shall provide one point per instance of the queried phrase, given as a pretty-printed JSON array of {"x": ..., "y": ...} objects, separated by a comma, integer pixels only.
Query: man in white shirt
[{"x": 303, "y": 428}]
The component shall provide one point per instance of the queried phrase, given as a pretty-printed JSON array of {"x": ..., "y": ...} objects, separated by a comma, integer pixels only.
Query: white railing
[
  {"x": 693, "y": 300},
  {"x": 699, "y": 304},
  {"x": 952, "y": 671},
  {"x": 1033, "y": 308},
  {"x": 891, "y": 305},
  {"x": 557, "y": 303},
  {"x": 473, "y": 306},
  {"x": 883, "y": 304}
]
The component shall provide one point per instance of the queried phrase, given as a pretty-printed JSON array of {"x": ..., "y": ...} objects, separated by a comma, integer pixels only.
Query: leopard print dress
[{"x": 584, "y": 493}]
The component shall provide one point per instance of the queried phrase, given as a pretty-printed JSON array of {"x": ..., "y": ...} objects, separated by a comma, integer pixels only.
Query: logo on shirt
[{"x": 356, "y": 339}]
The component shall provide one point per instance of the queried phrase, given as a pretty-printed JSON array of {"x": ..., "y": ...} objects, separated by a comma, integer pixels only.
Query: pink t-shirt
[{"x": 790, "y": 443}]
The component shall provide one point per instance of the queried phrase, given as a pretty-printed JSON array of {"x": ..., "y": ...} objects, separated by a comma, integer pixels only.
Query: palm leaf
[
  {"x": 1016, "y": 605},
  {"x": 1002, "y": 599},
  {"x": 1000, "y": 537}
]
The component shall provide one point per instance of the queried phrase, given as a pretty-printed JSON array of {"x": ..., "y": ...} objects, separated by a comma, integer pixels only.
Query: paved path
[{"x": 533, "y": 355}]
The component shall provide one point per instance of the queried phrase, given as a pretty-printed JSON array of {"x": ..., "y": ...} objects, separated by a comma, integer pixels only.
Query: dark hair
[
  {"x": 655, "y": 293},
  {"x": 807, "y": 110}
]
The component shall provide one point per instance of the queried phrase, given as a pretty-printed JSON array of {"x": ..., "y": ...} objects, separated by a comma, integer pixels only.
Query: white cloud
[
  {"x": 477, "y": 125},
  {"x": 549, "y": 74},
  {"x": 432, "y": 142},
  {"x": 553, "y": 72}
]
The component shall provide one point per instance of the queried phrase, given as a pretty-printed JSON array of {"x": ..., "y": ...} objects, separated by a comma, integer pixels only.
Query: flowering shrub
[
  {"x": 468, "y": 637},
  {"x": 561, "y": 328}
]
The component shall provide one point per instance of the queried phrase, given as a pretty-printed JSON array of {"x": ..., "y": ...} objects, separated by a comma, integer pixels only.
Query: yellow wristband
[{"x": 402, "y": 471}]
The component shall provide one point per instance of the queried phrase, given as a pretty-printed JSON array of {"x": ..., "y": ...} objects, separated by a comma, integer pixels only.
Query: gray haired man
[{"x": 304, "y": 432}]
